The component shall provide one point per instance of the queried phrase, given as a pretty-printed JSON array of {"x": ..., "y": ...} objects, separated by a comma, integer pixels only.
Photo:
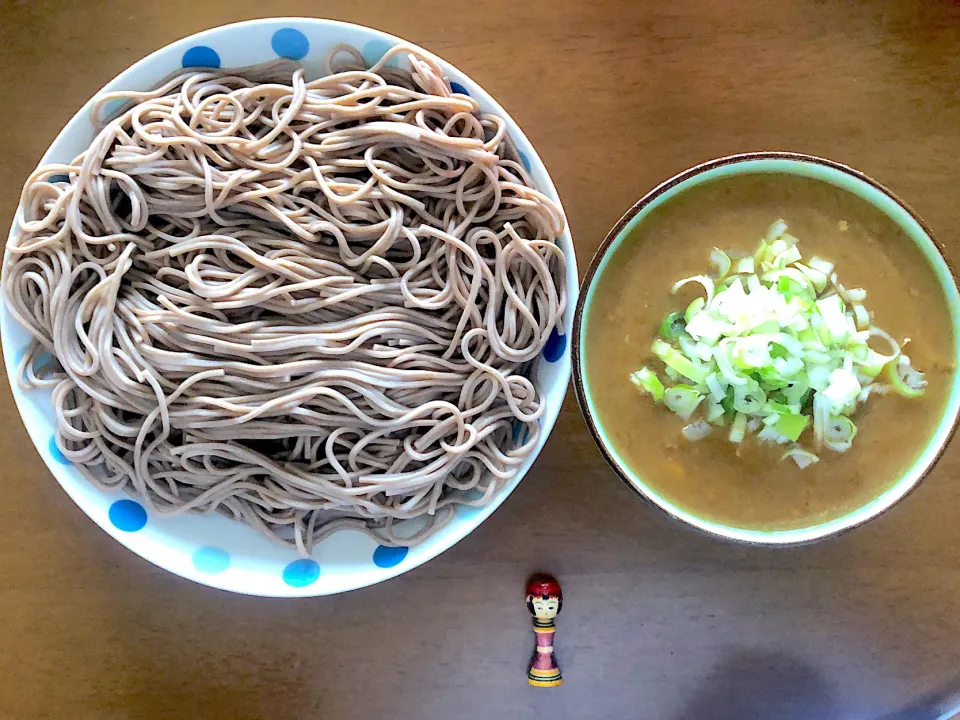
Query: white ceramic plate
[{"x": 211, "y": 549}]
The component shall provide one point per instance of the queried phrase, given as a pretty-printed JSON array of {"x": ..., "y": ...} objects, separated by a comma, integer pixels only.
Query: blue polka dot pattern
[
  {"x": 201, "y": 56},
  {"x": 55, "y": 452},
  {"x": 301, "y": 573},
  {"x": 458, "y": 88},
  {"x": 290, "y": 43},
  {"x": 211, "y": 560},
  {"x": 517, "y": 429},
  {"x": 128, "y": 515},
  {"x": 387, "y": 557},
  {"x": 520, "y": 432},
  {"x": 525, "y": 160},
  {"x": 374, "y": 50},
  {"x": 556, "y": 344}
]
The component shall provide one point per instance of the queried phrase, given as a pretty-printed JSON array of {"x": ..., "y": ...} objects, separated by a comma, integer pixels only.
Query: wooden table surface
[{"x": 658, "y": 622}]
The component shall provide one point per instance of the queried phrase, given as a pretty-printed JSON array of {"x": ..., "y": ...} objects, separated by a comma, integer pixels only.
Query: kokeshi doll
[{"x": 544, "y": 600}]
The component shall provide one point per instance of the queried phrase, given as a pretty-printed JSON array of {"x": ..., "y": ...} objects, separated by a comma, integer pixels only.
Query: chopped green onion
[
  {"x": 717, "y": 387},
  {"x": 769, "y": 434},
  {"x": 674, "y": 359},
  {"x": 777, "y": 347},
  {"x": 682, "y": 400},
  {"x": 899, "y": 375},
  {"x": 688, "y": 346},
  {"x": 788, "y": 287},
  {"x": 714, "y": 412},
  {"x": 819, "y": 375},
  {"x": 738, "y": 429},
  {"x": 762, "y": 254},
  {"x": 843, "y": 390},
  {"x": 725, "y": 364},
  {"x": 721, "y": 261},
  {"x": 767, "y": 327},
  {"x": 748, "y": 400},
  {"x": 894, "y": 347},
  {"x": 727, "y": 405},
  {"x": 647, "y": 381},
  {"x": 791, "y": 426},
  {"x": 831, "y": 309},
  {"x": 703, "y": 280},
  {"x": 786, "y": 367},
  {"x": 693, "y": 308},
  {"x": 817, "y": 278},
  {"x": 752, "y": 352},
  {"x": 697, "y": 431},
  {"x": 871, "y": 363},
  {"x": 821, "y": 413},
  {"x": 788, "y": 255},
  {"x": 705, "y": 328},
  {"x": 803, "y": 458},
  {"x": 703, "y": 352},
  {"x": 775, "y": 231},
  {"x": 779, "y": 408},
  {"x": 862, "y": 317},
  {"x": 839, "y": 433},
  {"x": 673, "y": 325},
  {"x": 821, "y": 266}
]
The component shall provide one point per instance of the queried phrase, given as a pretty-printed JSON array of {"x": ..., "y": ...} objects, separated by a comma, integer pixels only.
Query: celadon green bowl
[{"x": 761, "y": 163}]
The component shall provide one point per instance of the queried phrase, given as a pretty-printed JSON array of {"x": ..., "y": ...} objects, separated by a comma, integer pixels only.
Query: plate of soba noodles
[{"x": 286, "y": 307}]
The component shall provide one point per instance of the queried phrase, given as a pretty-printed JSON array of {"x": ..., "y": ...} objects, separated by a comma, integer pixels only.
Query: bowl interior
[
  {"x": 772, "y": 164},
  {"x": 211, "y": 549}
]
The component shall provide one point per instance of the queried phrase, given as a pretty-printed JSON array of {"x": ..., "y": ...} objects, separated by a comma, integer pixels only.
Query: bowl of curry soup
[{"x": 765, "y": 348}]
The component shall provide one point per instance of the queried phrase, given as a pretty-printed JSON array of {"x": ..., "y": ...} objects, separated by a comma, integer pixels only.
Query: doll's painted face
[{"x": 545, "y": 608}]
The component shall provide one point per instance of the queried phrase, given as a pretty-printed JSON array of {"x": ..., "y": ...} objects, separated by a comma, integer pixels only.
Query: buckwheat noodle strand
[{"x": 307, "y": 305}]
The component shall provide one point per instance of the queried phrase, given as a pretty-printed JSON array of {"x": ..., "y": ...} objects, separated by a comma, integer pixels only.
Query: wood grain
[{"x": 657, "y": 622}]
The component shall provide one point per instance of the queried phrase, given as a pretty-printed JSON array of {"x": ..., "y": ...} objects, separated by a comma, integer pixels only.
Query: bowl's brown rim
[{"x": 576, "y": 340}]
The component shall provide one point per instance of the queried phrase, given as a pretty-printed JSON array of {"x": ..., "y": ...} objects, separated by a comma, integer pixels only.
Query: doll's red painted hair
[{"x": 543, "y": 586}]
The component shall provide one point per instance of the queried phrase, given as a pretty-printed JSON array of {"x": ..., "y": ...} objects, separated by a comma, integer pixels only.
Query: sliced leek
[
  {"x": 721, "y": 261},
  {"x": 739, "y": 428},
  {"x": 776, "y": 349},
  {"x": 681, "y": 364},
  {"x": 904, "y": 379},
  {"x": 791, "y": 426},
  {"x": 647, "y": 381},
  {"x": 697, "y": 430},
  {"x": 682, "y": 399},
  {"x": 673, "y": 326},
  {"x": 803, "y": 458},
  {"x": 839, "y": 433},
  {"x": 707, "y": 282}
]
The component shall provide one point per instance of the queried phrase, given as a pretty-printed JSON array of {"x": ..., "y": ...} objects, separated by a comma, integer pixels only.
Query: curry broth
[{"x": 745, "y": 485}]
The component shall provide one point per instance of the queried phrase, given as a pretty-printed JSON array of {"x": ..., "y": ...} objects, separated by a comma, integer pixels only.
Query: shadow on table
[{"x": 762, "y": 685}]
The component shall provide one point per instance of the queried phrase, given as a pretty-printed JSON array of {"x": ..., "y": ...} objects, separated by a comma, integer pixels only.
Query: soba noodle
[{"x": 305, "y": 305}]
